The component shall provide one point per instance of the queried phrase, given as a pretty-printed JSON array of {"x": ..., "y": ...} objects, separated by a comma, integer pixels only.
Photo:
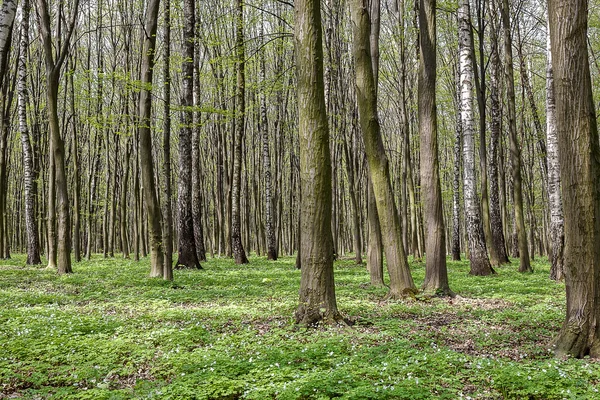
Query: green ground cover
[{"x": 109, "y": 332}]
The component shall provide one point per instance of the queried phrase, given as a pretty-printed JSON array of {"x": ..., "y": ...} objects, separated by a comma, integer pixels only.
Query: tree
[
  {"x": 33, "y": 247},
  {"x": 579, "y": 153},
  {"x": 496, "y": 224},
  {"x": 401, "y": 282},
  {"x": 167, "y": 203},
  {"x": 145, "y": 142},
  {"x": 515, "y": 152},
  {"x": 269, "y": 225},
  {"x": 480, "y": 264},
  {"x": 54, "y": 63},
  {"x": 236, "y": 229},
  {"x": 557, "y": 234},
  {"x": 188, "y": 258},
  {"x": 317, "y": 290},
  {"x": 436, "y": 274}
]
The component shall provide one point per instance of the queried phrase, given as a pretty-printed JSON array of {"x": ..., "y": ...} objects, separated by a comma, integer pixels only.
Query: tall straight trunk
[
  {"x": 269, "y": 223},
  {"x": 579, "y": 153},
  {"x": 481, "y": 90},
  {"x": 54, "y": 63},
  {"x": 375, "y": 245},
  {"x": 167, "y": 202},
  {"x": 317, "y": 290},
  {"x": 480, "y": 264},
  {"x": 76, "y": 179},
  {"x": 197, "y": 188},
  {"x": 456, "y": 177},
  {"x": 515, "y": 152},
  {"x": 557, "y": 233},
  {"x": 401, "y": 282},
  {"x": 436, "y": 274},
  {"x": 145, "y": 142},
  {"x": 496, "y": 222},
  {"x": 236, "y": 227},
  {"x": 187, "y": 257},
  {"x": 33, "y": 247},
  {"x": 125, "y": 195}
]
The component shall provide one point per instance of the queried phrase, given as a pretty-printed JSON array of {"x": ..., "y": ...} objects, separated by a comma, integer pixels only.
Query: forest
[{"x": 194, "y": 194}]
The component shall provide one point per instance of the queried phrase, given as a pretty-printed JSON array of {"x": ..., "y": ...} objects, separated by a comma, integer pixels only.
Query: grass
[{"x": 110, "y": 332}]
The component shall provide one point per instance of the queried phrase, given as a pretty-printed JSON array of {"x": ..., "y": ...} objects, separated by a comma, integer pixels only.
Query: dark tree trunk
[
  {"x": 579, "y": 153},
  {"x": 188, "y": 258},
  {"x": 436, "y": 274},
  {"x": 236, "y": 226}
]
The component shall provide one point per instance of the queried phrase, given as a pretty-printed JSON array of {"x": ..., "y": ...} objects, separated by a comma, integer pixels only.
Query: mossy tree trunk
[
  {"x": 317, "y": 290},
  {"x": 401, "y": 282},
  {"x": 145, "y": 142}
]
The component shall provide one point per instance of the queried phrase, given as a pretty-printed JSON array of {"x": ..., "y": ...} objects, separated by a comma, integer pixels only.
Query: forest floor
[{"x": 227, "y": 332}]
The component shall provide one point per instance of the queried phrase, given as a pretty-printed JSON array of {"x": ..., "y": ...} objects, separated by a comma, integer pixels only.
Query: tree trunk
[
  {"x": 317, "y": 290},
  {"x": 401, "y": 282},
  {"x": 557, "y": 234},
  {"x": 269, "y": 224},
  {"x": 480, "y": 264},
  {"x": 496, "y": 222},
  {"x": 188, "y": 258},
  {"x": 54, "y": 64},
  {"x": 33, "y": 247},
  {"x": 236, "y": 227},
  {"x": 145, "y": 142},
  {"x": 167, "y": 202},
  {"x": 436, "y": 274},
  {"x": 515, "y": 152},
  {"x": 456, "y": 178},
  {"x": 579, "y": 153}
]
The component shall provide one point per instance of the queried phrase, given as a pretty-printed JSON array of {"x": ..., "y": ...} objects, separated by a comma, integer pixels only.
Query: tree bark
[
  {"x": 54, "y": 65},
  {"x": 436, "y": 274},
  {"x": 317, "y": 290},
  {"x": 401, "y": 282},
  {"x": 236, "y": 227},
  {"x": 557, "y": 233},
  {"x": 515, "y": 152},
  {"x": 456, "y": 176},
  {"x": 33, "y": 247},
  {"x": 579, "y": 153},
  {"x": 145, "y": 143},
  {"x": 480, "y": 264},
  {"x": 187, "y": 257},
  {"x": 496, "y": 223}
]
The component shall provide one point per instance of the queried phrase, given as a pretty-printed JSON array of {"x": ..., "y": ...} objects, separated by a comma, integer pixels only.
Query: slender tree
[
  {"x": 54, "y": 62},
  {"x": 145, "y": 141},
  {"x": 33, "y": 247},
  {"x": 236, "y": 228},
  {"x": 515, "y": 152},
  {"x": 436, "y": 274},
  {"x": 188, "y": 258},
  {"x": 480, "y": 263},
  {"x": 557, "y": 234},
  {"x": 167, "y": 203},
  {"x": 401, "y": 282}
]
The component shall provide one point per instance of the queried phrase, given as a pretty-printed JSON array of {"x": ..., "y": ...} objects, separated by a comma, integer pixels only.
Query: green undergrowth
[{"x": 227, "y": 332}]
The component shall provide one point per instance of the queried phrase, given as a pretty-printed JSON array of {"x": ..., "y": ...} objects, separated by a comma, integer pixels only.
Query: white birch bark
[
  {"x": 557, "y": 235},
  {"x": 480, "y": 263}
]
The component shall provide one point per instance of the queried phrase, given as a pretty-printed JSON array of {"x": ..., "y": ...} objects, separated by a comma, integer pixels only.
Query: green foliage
[{"x": 109, "y": 332}]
